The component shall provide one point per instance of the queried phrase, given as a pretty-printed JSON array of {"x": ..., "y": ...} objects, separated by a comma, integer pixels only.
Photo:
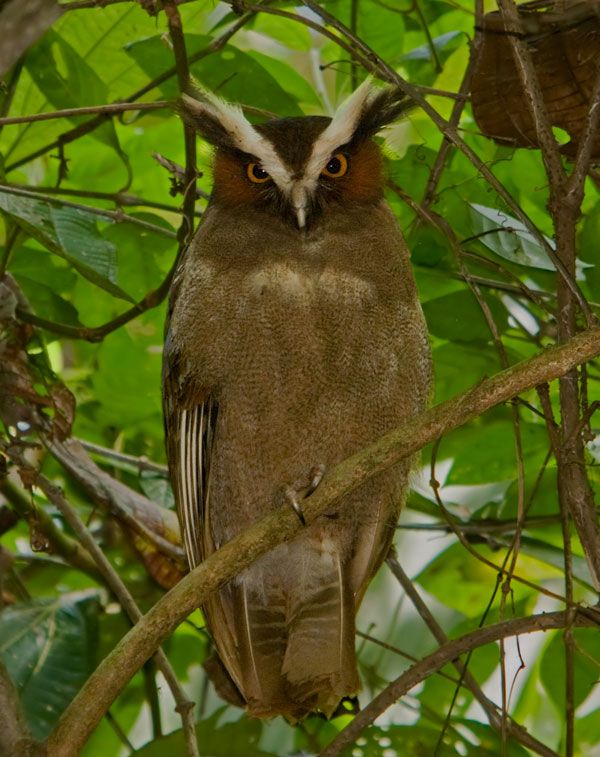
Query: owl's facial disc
[{"x": 296, "y": 167}]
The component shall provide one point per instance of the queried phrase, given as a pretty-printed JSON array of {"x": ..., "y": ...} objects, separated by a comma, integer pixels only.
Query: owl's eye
[
  {"x": 256, "y": 173},
  {"x": 337, "y": 166}
]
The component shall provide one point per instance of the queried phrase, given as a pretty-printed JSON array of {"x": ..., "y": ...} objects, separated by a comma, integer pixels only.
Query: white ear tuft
[
  {"x": 230, "y": 119},
  {"x": 342, "y": 127}
]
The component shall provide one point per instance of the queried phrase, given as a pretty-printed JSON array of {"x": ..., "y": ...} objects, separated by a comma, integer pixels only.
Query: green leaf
[
  {"x": 127, "y": 383},
  {"x": 294, "y": 36},
  {"x": 49, "y": 304},
  {"x": 459, "y": 366},
  {"x": 238, "y": 738},
  {"x": 48, "y": 648},
  {"x": 71, "y": 233},
  {"x": 65, "y": 78},
  {"x": 77, "y": 234},
  {"x": 586, "y": 665},
  {"x": 463, "y": 582},
  {"x": 428, "y": 246},
  {"x": 45, "y": 278},
  {"x": 510, "y": 239},
  {"x": 231, "y": 72},
  {"x": 477, "y": 463},
  {"x": 140, "y": 253},
  {"x": 157, "y": 488},
  {"x": 555, "y": 556},
  {"x": 420, "y": 63},
  {"x": 458, "y": 317}
]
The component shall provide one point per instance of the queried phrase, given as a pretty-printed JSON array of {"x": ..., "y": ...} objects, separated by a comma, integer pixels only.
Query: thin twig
[
  {"x": 517, "y": 731},
  {"x": 140, "y": 463},
  {"x": 110, "y": 109},
  {"x": 442, "y": 656},
  {"x": 113, "y": 215}
]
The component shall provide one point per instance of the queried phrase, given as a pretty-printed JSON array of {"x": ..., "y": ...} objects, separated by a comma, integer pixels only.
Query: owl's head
[{"x": 297, "y": 167}]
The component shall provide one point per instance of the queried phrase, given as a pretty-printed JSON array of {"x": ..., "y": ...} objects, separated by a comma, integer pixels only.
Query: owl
[{"x": 294, "y": 338}]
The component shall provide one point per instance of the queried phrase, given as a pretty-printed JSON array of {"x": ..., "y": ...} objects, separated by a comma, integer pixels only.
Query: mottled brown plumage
[{"x": 295, "y": 338}]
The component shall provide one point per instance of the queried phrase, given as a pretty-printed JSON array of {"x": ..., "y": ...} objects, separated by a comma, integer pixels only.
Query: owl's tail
[{"x": 292, "y": 625}]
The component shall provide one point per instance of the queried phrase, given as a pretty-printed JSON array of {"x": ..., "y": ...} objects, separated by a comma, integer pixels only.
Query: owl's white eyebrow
[
  {"x": 243, "y": 135},
  {"x": 340, "y": 130}
]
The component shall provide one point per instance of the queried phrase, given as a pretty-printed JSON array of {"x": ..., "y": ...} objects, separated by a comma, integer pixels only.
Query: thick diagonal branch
[{"x": 112, "y": 675}]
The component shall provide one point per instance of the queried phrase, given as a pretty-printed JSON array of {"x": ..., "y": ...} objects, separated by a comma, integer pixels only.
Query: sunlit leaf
[{"x": 509, "y": 238}]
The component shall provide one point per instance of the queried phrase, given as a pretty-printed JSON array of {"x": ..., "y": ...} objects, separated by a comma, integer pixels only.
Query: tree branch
[
  {"x": 113, "y": 673},
  {"x": 110, "y": 109},
  {"x": 444, "y": 655},
  {"x": 155, "y": 524},
  {"x": 126, "y": 600},
  {"x": 58, "y": 541},
  {"x": 15, "y": 738},
  {"x": 517, "y": 731}
]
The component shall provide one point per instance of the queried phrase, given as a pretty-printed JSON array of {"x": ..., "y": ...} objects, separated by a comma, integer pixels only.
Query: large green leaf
[
  {"x": 48, "y": 648},
  {"x": 509, "y": 238},
  {"x": 477, "y": 463},
  {"x": 66, "y": 79},
  {"x": 463, "y": 582},
  {"x": 46, "y": 280},
  {"x": 459, "y": 366},
  {"x": 231, "y": 72},
  {"x": 586, "y": 667},
  {"x": 458, "y": 317},
  {"x": 71, "y": 233}
]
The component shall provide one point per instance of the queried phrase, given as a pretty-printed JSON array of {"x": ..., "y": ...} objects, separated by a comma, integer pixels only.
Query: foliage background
[{"x": 81, "y": 270}]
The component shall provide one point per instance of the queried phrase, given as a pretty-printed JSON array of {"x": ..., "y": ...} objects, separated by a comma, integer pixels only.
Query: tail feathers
[
  {"x": 289, "y": 647},
  {"x": 261, "y": 637},
  {"x": 320, "y": 663}
]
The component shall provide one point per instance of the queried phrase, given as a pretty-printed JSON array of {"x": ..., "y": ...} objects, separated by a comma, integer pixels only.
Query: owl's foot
[
  {"x": 291, "y": 496},
  {"x": 299, "y": 490}
]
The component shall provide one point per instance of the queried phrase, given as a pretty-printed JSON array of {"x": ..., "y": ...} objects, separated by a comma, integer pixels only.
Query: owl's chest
[
  {"x": 284, "y": 319},
  {"x": 304, "y": 291}
]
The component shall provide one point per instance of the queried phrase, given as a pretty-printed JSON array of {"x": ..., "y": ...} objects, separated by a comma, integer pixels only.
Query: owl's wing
[
  {"x": 190, "y": 416},
  {"x": 190, "y": 420}
]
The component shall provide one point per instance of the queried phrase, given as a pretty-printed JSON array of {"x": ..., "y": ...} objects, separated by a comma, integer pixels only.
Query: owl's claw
[
  {"x": 291, "y": 496},
  {"x": 316, "y": 476},
  {"x": 291, "y": 493}
]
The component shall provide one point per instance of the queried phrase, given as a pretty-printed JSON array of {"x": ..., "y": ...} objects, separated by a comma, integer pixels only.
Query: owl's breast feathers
[{"x": 310, "y": 346}]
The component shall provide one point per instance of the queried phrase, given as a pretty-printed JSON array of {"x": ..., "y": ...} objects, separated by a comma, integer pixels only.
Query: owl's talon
[
  {"x": 316, "y": 476},
  {"x": 291, "y": 493},
  {"x": 291, "y": 496}
]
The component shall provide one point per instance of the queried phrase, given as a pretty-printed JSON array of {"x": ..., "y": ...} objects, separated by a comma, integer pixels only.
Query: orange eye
[
  {"x": 256, "y": 173},
  {"x": 337, "y": 166}
]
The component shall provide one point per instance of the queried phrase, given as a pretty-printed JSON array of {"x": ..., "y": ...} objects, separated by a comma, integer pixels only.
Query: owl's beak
[
  {"x": 301, "y": 216},
  {"x": 299, "y": 201}
]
